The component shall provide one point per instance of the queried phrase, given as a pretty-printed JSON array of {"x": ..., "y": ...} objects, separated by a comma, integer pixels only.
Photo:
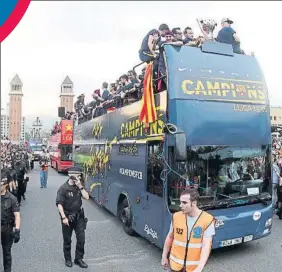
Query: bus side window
[{"x": 154, "y": 169}]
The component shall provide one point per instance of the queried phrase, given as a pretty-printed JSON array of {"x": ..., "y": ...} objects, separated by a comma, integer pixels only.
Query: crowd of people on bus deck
[
  {"x": 68, "y": 116},
  {"x": 129, "y": 87}
]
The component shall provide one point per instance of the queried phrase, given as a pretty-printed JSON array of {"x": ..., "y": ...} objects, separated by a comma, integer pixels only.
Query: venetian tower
[
  {"x": 67, "y": 95},
  {"x": 15, "y": 109}
]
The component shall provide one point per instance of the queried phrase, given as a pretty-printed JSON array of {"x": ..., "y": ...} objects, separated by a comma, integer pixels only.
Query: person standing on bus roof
[
  {"x": 147, "y": 51},
  {"x": 191, "y": 229},
  {"x": 228, "y": 35}
]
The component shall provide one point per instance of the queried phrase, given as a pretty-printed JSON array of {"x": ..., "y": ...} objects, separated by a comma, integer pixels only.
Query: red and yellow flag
[{"x": 148, "y": 112}]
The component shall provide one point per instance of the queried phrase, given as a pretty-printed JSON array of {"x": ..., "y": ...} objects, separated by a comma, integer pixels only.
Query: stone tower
[
  {"x": 15, "y": 109},
  {"x": 67, "y": 95}
]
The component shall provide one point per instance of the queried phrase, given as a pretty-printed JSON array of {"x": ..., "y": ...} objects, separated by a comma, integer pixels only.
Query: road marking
[{"x": 117, "y": 258}]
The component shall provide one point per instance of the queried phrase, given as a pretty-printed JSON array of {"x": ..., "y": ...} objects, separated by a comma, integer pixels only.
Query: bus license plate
[
  {"x": 231, "y": 242},
  {"x": 248, "y": 238}
]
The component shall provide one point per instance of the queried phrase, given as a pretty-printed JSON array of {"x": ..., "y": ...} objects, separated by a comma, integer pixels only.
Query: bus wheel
[{"x": 125, "y": 216}]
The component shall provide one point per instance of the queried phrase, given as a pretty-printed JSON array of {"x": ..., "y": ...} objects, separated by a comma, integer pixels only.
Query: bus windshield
[
  {"x": 36, "y": 148},
  {"x": 66, "y": 152},
  {"x": 222, "y": 173}
]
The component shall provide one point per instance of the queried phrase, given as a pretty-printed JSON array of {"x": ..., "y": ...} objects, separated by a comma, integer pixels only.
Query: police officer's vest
[{"x": 181, "y": 243}]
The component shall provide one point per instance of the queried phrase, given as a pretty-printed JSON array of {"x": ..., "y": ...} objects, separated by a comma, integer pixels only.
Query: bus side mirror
[{"x": 180, "y": 147}]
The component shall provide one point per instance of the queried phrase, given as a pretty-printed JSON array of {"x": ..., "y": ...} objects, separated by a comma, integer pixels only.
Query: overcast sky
[{"x": 94, "y": 42}]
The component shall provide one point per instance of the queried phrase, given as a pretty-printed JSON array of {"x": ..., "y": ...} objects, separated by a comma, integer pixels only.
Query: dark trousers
[
  {"x": 79, "y": 227},
  {"x": 145, "y": 56},
  {"x": 27, "y": 165},
  {"x": 7, "y": 242},
  {"x": 21, "y": 190}
]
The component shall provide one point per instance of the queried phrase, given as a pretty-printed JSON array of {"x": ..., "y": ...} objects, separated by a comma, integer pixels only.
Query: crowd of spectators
[
  {"x": 277, "y": 173},
  {"x": 10, "y": 153}
]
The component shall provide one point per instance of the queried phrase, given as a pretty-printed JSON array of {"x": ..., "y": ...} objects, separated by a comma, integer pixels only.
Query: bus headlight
[{"x": 268, "y": 223}]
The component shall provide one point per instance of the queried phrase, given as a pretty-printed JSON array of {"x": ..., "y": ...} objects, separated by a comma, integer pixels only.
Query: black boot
[
  {"x": 80, "y": 263},
  {"x": 68, "y": 263}
]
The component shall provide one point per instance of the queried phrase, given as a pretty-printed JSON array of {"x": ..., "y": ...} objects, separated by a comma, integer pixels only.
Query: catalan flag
[{"x": 148, "y": 112}]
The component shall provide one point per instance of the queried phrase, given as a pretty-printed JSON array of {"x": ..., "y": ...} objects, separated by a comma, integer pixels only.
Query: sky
[{"x": 92, "y": 42}]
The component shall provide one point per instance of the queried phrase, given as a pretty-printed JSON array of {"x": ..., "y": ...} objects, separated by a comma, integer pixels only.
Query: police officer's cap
[{"x": 75, "y": 170}]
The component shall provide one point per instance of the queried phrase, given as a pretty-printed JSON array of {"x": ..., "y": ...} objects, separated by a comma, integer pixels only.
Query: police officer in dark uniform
[
  {"x": 10, "y": 218},
  {"x": 11, "y": 173},
  {"x": 69, "y": 202},
  {"x": 21, "y": 178}
]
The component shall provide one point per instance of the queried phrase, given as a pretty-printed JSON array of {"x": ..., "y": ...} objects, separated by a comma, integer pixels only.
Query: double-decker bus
[
  {"x": 60, "y": 147},
  {"x": 212, "y": 131}
]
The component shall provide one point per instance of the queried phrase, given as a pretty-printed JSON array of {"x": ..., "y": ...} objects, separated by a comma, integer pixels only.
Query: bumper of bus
[
  {"x": 64, "y": 167},
  {"x": 243, "y": 229}
]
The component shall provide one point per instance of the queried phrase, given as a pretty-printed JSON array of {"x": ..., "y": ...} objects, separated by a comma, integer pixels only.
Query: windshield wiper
[
  {"x": 262, "y": 200},
  {"x": 224, "y": 195}
]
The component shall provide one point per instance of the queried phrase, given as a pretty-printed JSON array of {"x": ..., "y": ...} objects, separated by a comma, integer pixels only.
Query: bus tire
[{"x": 125, "y": 215}]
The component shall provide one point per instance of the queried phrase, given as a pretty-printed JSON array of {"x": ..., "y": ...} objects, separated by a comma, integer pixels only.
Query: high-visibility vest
[{"x": 193, "y": 244}]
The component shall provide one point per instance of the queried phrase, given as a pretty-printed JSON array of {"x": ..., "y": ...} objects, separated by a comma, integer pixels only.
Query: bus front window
[
  {"x": 36, "y": 148},
  {"x": 66, "y": 152},
  {"x": 221, "y": 172}
]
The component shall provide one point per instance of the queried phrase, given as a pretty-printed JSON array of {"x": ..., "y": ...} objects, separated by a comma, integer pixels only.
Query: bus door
[{"x": 154, "y": 196}]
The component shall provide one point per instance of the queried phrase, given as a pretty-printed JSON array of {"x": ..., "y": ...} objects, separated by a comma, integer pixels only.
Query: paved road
[{"x": 108, "y": 248}]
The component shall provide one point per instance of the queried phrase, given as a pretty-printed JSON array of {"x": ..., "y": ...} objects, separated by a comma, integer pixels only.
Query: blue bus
[
  {"x": 37, "y": 149},
  {"x": 212, "y": 131}
]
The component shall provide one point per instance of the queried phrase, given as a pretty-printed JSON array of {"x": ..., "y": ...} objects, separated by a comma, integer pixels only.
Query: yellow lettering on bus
[
  {"x": 185, "y": 88},
  {"x": 261, "y": 95},
  {"x": 131, "y": 129},
  {"x": 252, "y": 94},
  {"x": 201, "y": 92},
  {"x": 210, "y": 86},
  {"x": 200, "y": 86},
  {"x": 121, "y": 130},
  {"x": 160, "y": 126},
  {"x": 225, "y": 86},
  {"x": 139, "y": 127}
]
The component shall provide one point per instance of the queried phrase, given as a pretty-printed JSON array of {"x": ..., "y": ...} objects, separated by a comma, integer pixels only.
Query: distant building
[
  {"x": 36, "y": 133},
  {"x": 8, "y": 109},
  {"x": 15, "y": 110},
  {"x": 276, "y": 116},
  {"x": 4, "y": 126},
  {"x": 67, "y": 95},
  {"x": 23, "y": 129}
]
